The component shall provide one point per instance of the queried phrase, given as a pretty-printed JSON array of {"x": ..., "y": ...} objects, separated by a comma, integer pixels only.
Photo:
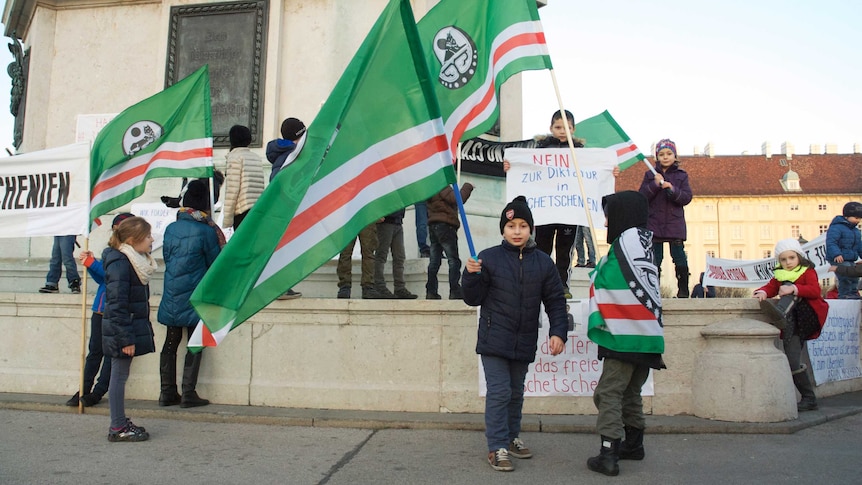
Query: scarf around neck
[
  {"x": 202, "y": 216},
  {"x": 792, "y": 275},
  {"x": 143, "y": 264}
]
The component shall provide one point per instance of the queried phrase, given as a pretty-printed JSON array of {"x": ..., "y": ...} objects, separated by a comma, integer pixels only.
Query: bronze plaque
[{"x": 231, "y": 38}]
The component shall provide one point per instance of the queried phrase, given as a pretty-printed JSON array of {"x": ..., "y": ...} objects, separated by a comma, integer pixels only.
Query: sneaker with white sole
[
  {"x": 518, "y": 449},
  {"x": 499, "y": 460}
]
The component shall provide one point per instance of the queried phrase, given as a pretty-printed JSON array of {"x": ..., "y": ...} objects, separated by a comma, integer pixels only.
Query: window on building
[
  {"x": 823, "y": 228},
  {"x": 735, "y": 208},
  {"x": 711, "y": 254},
  {"x": 709, "y": 233},
  {"x": 708, "y": 208},
  {"x": 737, "y": 254},
  {"x": 765, "y": 232},
  {"x": 821, "y": 207},
  {"x": 764, "y": 207},
  {"x": 794, "y": 231},
  {"x": 794, "y": 207},
  {"x": 767, "y": 253},
  {"x": 736, "y": 232}
]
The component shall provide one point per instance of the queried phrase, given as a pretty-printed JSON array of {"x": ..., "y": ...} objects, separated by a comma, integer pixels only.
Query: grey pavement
[{"x": 44, "y": 442}]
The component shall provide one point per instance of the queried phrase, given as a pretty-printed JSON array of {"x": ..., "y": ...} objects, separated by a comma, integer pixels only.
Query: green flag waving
[
  {"x": 602, "y": 131},
  {"x": 166, "y": 135},
  {"x": 377, "y": 145}
]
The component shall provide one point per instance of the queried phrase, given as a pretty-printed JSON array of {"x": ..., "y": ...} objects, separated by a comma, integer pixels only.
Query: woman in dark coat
[
  {"x": 191, "y": 245},
  {"x": 126, "y": 328}
]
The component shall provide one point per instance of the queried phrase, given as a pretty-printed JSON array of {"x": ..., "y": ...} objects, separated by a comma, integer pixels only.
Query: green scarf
[{"x": 792, "y": 275}]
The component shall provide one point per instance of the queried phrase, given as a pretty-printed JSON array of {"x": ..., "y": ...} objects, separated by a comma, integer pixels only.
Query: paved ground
[{"x": 44, "y": 442}]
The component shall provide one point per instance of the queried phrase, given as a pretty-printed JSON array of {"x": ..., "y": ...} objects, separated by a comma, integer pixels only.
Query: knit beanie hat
[
  {"x": 665, "y": 143},
  {"x": 121, "y": 217},
  {"x": 197, "y": 196},
  {"x": 240, "y": 136},
  {"x": 292, "y": 129},
  {"x": 852, "y": 209},
  {"x": 788, "y": 244},
  {"x": 517, "y": 209}
]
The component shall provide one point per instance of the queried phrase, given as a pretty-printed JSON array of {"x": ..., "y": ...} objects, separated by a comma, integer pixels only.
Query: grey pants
[
  {"x": 390, "y": 237},
  {"x": 618, "y": 397}
]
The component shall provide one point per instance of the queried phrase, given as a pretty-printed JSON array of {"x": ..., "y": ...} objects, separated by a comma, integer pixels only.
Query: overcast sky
[{"x": 733, "y": 72}]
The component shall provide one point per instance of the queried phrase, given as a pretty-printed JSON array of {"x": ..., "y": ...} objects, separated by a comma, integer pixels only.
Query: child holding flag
[
  {"x": 126, "y": 328},
  {"x": 509, "y": 326},
  {"x": 625, "y": 322},
  {"x": 800, "y": 311},
  {"x": 668, "y": 192}
]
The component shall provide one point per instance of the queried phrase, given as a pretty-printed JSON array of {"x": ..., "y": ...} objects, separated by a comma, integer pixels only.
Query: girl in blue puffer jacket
[{"x": 511, "y": 282}]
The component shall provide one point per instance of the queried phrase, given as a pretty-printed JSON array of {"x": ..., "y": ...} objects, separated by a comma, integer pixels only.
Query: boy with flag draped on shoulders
[{"x": 625, "y": 321}]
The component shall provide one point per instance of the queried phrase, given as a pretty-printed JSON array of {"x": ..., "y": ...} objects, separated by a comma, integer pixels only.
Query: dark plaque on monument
[{"x": 231, "y": 38}]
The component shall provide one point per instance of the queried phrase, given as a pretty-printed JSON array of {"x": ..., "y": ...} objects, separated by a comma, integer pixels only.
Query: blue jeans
[
  {"x": 421, "y": 210},
  {"x": 504, "y": 399},
  {"x": 848, "y": 287},
  {"x": 444, "y": 238},
  {"x": 96, "y": 358},
  {"x": 62, "y": 255},
  {"x": 584, "y": 235}
]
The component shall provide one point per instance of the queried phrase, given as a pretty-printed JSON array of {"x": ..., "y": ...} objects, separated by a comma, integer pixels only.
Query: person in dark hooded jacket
[
  {"x": 511, "y": 282},
  {"x": 629, "y": 342},
  {"x": 191, "y": 245}
]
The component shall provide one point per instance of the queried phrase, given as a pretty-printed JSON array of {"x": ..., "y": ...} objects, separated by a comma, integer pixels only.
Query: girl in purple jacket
[{"x": 668, "y": 192}]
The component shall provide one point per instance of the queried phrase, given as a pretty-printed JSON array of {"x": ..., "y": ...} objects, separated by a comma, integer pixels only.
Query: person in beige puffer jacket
[{"x": 244, "y": 180}]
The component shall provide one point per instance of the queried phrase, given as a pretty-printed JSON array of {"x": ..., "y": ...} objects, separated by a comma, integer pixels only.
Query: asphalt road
[{"x": 38, "y": 447}]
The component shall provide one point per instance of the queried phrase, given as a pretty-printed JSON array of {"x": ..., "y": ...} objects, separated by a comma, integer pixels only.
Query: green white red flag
[
  {"x": 602, "y": 131},
  {"x": 166, "y": 135},
  {"x": 473, "y": 47},
  {"x": 376, "y": 146},
  {"x": 625, "y": 306}
]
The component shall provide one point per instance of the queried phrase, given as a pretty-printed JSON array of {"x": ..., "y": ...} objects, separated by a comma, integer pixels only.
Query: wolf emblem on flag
[{"x": 458, "y": 57}]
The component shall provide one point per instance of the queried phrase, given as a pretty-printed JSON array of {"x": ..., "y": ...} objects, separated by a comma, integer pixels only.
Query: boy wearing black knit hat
[
  {"x": 844, "y": 247},
  {"x": 509, "y": 327}
]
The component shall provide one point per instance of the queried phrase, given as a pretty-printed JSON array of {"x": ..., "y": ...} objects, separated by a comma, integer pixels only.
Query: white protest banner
[
  {"x": 45, "y": 193},
  {"x": 834, "y": 355},
  {"x": 754, "y": 273},
  {"x": 575, "y": 371},
  {"x": 548, "y": 179}
]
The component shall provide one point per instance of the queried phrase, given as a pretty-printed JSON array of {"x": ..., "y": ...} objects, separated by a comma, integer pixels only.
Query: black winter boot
[
  {"x": 778, "y": 311},
  {"x": 803, "y": 384},
  {"x": 168, "y": 373},
  {"x": 682, "y": 281},
  {"x": 632, "y": 448},
  {"x": 606, "y": 461},
  {"x": 190, "y": 381}
]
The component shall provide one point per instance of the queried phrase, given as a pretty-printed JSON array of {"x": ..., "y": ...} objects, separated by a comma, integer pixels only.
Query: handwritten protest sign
[
  {"x": 575, "y": 371},
  {"x": 549, "y": 180},
  {"x": 835, "y": 354}
]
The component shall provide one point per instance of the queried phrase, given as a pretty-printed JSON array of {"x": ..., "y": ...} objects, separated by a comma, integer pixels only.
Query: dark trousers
[
  {"x": 95, "y": 359},
  {"x": 504, "y": 400},
  {"x": 561, "y": 239},
  {"x": 444, "y": 239}
]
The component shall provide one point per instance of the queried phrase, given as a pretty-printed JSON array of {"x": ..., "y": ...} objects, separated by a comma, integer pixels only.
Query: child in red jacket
[{"x": 800, "y": 311}]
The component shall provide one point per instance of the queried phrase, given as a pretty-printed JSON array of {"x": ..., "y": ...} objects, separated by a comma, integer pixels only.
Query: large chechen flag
[
  {"x": 472, "y": 48},
  {"x": 602, "y": 131},
  {"x": 625, "y": 307},
  {"x": 166, "y": 135},
  {"x": 377, "y": 145}
]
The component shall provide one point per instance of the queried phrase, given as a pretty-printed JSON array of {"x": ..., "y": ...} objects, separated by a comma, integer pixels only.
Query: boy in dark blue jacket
[
  {"x": 844, "y": 247},
  {"x": 511, "y": 282}
]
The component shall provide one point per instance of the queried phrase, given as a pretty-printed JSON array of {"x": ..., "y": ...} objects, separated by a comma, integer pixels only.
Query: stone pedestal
[{"x": 741, "y": 376}]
